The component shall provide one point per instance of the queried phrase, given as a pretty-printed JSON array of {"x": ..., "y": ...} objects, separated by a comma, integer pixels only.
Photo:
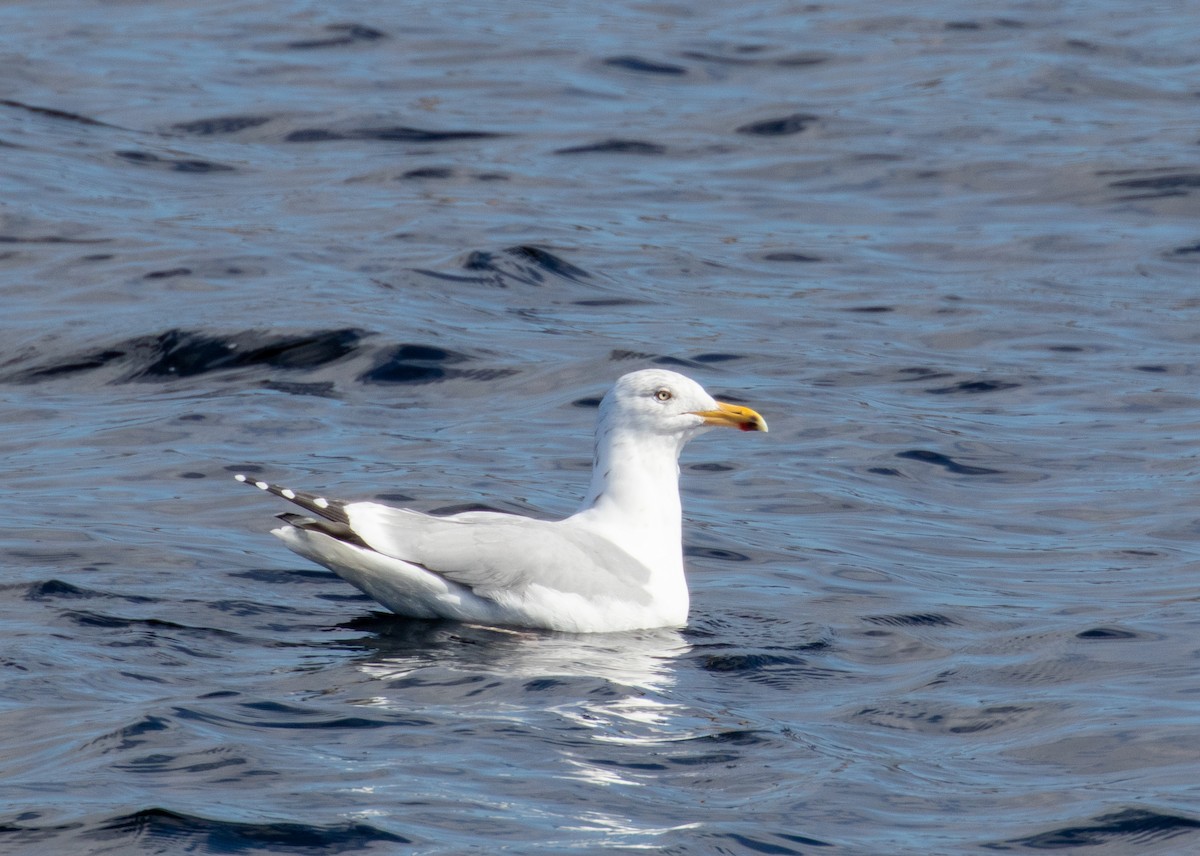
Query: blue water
[{"x": 948, "y": 605}]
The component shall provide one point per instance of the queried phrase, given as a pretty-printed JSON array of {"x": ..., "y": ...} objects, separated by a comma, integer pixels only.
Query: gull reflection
[
  {"x": 599, "y": 707},
  {"x": 640, "y": 660}
]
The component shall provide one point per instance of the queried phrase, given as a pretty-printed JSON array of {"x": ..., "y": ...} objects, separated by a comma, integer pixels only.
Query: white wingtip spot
[
  {"x": 239, "y": 477},
  {"x": 321, "y": 502},
  {"x": 261, "y": 485},
  {"x": 288, "y": 493}
]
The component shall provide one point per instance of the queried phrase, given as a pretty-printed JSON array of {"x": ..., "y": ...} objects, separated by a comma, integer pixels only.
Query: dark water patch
[
  {"x": 748, "y": 662},
  {"x": 159, "y": 763},
  {"x": 713, "y": 553},
  {"x": 989, "y": 24},
  {"x": 993, "y": 23},
  {"x": 1106, "y": 633},
  {"x": 918, "y": 619},
  {"x": 1188, "y": 250},
  {"x": 671, "y": 760},
  {"x": 797, "y": 258},
  {"x": 746, "y": 56},
  {"x": 632, "y": 766},
  {"x": 783, "y": 126},
  {"x": 50, "y": 239},
  {"x": 543, "y": 685},
  {"x": 55, "y": 557},
  {"x": 526, "y": 264},
  {"x": 620, "y": 354},
  {"x": 676, "y": 362},
  {"x": 786, "y": 669},
  {"x": 762, "y": 841},
  {"x": 53, "y": 113},
  {"x": 21, "y": 830},
  {"x": 1130, "y": 828},
  {"x": 404, "y": 134},
  {"x": 159, "y": 828},
  {"x": 60, "y": 590},
  {"x": 187, "y": 353},
  {"x": 921, "y": 373},
  {"x": 169, "y": 273},
  {"x": 644, "y": 66},
  {"x": 446, "y": 277},
  {"x": 245, "y": 608},
  {"x": 937, "y": 459},
  {"x": 342, "y": 34},
  {"x": 70, "y": 366},
  {"x": 219, "y": 125},
  {"x": 313, "y": 135},
  {"x": 271, "y": 714},
  {"x": 615, "y": 147},
  {"x": 277, "y": 577},
  {"x": 55, "y": 589},
  {"x": 183, "y": 353},
  {"x": 801, "y": 60},
  {"x": 732, "y": 737},
  {"x": 293, "y": 716},
  {"x": 137, "y": 676},
  {"x": 348, "y": 597},
  {"x": 153, "y": 633},
  {"x": 429, "y": 172},
  {"x": 871, "y": 310},
  {"x": 973, "y": 387},
  {"x": 917, "y": 717},
  {"x": 389, "y": 134},
  {"x": 1177, "y": 181},
  {"x": 419, "y": 364},
  {"x": 465, "y": 507},
  {"x": 148, "y": 159},
  {"x": 319, "y": 389},
  {"x": 132, "y": 735},
  {"x": 394, "y": 497},
  {"x": 243, "y": 468},
  {"x": 590, "y": 402},
  {"x": 87, "y": 618},
  {"x": 544, "y": 260},
  {"x": 884, "y": 471},
  {"x": 608, "y": 302},
  {"x": 710, "y": 468}
]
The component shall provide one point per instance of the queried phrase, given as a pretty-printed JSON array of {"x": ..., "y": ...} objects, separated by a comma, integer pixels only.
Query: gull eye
[{"x": 663, "y": 395}]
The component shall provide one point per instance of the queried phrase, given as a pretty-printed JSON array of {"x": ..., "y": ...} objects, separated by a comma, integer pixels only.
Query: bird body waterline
[{"x": 616, "y": 564}]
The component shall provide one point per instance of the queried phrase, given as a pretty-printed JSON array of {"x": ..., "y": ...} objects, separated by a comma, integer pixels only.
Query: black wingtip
[
  {"x": 332, "y": 528},
  {"x": 329, "y": 509}
]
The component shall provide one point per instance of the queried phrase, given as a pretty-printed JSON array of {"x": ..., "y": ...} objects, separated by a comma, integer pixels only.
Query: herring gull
[{"x": 616, "y": 564}]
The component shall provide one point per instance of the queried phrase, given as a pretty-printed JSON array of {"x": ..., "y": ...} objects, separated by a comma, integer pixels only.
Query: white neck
[
  {"x": 634, "y": 496},
  {"x": 637, "y": 478}
]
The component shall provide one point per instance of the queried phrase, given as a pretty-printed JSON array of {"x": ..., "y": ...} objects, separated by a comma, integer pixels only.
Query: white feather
[{"x": 617, "y": 564}]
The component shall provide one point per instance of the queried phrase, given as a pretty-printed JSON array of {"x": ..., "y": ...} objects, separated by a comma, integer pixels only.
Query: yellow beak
[{"x": 733, "y": 416}]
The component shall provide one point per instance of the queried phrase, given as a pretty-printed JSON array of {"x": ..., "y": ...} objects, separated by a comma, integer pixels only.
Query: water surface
[{"x": 946, "y": 606}]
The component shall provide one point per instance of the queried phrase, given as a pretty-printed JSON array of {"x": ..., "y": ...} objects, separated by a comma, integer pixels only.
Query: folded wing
[{"x": 491, "y": 553}]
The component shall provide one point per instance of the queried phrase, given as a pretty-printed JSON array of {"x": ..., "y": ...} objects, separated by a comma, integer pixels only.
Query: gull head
[{"x": 661, "y": 402}]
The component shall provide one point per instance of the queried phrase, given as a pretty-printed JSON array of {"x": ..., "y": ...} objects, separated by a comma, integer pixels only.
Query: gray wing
[{"x": 491, "y": 552}]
